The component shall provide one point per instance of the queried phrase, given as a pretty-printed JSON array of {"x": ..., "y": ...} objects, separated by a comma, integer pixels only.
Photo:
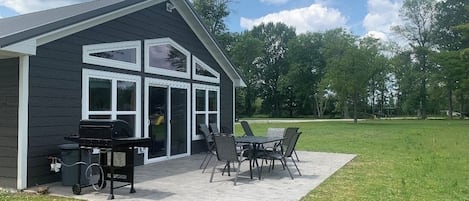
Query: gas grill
[{"x": 116, "y": 143}]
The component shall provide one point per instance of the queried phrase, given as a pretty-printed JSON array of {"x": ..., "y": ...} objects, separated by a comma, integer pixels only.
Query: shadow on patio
[{"x": 181, "y": 179}]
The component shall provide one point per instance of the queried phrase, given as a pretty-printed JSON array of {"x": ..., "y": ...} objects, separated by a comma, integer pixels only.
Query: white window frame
[
  {"x": 207, "y": 88},
  {"x": 114, "y": 77},
  {"x": 105, "y": 47},
  {"x": 161, "y": 71},
  {"x": 195, "y": 61}
]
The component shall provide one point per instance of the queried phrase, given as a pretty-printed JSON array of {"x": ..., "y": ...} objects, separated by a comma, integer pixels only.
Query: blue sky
[{"x": 361, "y": 17}]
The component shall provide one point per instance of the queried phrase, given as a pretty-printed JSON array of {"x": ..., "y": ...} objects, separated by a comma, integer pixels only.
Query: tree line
[{"x": 335, "y": 74}]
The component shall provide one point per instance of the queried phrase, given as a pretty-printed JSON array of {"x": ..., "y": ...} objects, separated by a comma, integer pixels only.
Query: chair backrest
[
  {"x": 207, "y": 136},
  {"x": 288, "y": 135},
  {"x": 214, "y": 128},
  {"x": 246, "y": 128},
  {"x": 291, "y": 144},
  {"x": 226, "y": 147},
  {"x": 275, "y": 132}
]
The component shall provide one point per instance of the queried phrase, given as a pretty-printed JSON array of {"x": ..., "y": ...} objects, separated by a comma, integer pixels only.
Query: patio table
[{"x": 256, "y": 142}]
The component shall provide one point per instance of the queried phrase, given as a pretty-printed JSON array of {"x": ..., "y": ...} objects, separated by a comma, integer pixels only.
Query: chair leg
[
  {"x": 297, "y": 159},
  {"x": 206, "y": 164},
  {"x": 227, "y": 165},
  {"x": 213, "y": 171},
  {"x": 237, "y": 173},
  {"x": 286, "y": 166},
  {"x": 296, "y": 166},
  {"x": 205, "y": 158},
  {"x": 250, "y": 168}
]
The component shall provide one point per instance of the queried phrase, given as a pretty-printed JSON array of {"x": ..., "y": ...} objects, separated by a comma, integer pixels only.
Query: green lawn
[
  {"x": 31, "y": 197},
  {"x": 397, "y": 159}
]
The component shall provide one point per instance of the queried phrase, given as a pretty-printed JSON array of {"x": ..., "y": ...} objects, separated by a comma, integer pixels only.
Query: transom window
[
  {"x": 206, "y": 103},
  {"x": 165, "y": 57},
  {"x": 203, "y": 72},
  {"x": 111, "y": 96},
  {"x": 125, "y": 55}
]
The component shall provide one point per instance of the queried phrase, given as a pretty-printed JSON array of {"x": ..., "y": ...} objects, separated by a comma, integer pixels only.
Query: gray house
[{"x": 149, "y": 62}]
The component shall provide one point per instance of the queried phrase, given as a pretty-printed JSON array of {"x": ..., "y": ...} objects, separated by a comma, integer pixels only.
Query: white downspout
[{"x": 23, "y": 108}]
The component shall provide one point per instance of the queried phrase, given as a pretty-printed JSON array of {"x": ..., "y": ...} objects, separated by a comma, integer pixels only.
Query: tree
[
  {"x": 451, "y": 42},
  {"x": 244, "y": 53},
  {"x": 419, "y": 24},
  {"x": 213, "y": 14},
  {"x": 307, "y": 66},
  {"x": 272, "y": 65},
  {"x": 348, "y": 70}
]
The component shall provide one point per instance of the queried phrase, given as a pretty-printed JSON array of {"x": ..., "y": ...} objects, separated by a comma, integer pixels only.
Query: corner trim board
[{"x": 23, "y": 115}]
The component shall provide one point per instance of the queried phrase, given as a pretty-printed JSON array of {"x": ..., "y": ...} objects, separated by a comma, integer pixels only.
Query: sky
[{"x": 361, "y": 17}]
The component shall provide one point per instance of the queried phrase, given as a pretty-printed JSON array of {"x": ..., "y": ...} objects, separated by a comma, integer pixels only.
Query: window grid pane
[
  {"x": 100, "y": 94},
  {"x": 200, "y": 100},
  {"x": 212, "y": 101},
  {"x": 126, "y": 96}
]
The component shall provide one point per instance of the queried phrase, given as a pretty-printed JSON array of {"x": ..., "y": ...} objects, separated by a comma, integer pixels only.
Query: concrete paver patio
[{"x": 181, "y": 179}]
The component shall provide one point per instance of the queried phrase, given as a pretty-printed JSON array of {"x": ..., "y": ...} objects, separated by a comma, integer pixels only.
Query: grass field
[{"x": 397, "y": 159}]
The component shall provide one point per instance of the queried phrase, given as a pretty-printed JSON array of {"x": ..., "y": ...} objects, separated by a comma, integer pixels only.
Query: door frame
[{"x": 154, "y": 82}]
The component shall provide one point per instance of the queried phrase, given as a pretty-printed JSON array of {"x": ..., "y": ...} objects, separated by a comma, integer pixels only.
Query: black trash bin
[{"x": 69, "y": 153}]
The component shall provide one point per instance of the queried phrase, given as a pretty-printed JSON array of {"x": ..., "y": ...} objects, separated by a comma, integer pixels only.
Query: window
[
  {"x": 203, "y": 72},
  {"x": 206, "y": 103},
  {"x": 125, "y": 55},
  {"x": 111, "y": 96},
  {"x": 165, "y": 57}
]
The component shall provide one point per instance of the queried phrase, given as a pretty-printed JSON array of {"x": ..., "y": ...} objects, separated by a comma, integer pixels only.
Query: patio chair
[
  {"x": 288, "y": 147},
  {"x": 210, "y": 146},
  {"x": 226, "y": 151},
  {"x": 214, "y": 128},
  {"x": 246, "y": 128},
  {"x": 288, "y": 131}
]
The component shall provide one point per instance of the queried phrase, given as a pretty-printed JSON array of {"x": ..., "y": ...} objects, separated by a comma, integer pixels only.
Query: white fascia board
[
  {"x": 202, "y": 33},
  {"x": 66, "y": 31},
  {"x": 26, "y": 47}
]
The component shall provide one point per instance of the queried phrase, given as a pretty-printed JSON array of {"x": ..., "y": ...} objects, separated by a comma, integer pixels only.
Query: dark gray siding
[
  {"x": 55, "y": 79},
  {"x": 8, "y": 122}
]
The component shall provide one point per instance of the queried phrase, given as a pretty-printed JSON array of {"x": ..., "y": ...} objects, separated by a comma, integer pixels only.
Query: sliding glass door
[{"x": 166, "y": 113}]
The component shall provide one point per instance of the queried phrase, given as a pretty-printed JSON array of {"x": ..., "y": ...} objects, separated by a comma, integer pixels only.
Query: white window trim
[
  {"x": 87, "y": 74},
  {"x": 195, "y": 61},
  {"x": 160, "y": 71},
  {"x": 207, "y": 88},
  {"x": 168, "y": 84},
  {"x": 104, "y": 47}
]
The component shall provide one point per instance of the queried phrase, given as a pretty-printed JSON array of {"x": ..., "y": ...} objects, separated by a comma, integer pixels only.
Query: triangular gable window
[
  {"x": 124, "y": 55},
  {"x": 200, "y": 70},
  {"x": 203, "y": 72},
  {"x": 164, "y": 56}
]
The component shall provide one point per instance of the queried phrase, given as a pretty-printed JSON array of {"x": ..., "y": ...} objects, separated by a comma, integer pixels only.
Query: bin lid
[{"x": 69, "y": 147}]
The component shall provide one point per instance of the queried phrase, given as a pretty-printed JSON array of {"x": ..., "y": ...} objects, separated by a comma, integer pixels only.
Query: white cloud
[
  {"x": 382, "y": 15},
  {"x": 274, "y": 1},
  {"x": 313, "y": 18},
  {"x": 378, "y": 35},
  {"x": 27, "y": 6}
]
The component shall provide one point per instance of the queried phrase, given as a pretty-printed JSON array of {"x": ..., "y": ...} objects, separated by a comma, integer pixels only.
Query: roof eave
[{"x": 28, "y": 46}]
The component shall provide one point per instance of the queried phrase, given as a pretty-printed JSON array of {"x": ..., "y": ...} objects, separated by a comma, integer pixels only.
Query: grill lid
[{"x": 104, "y": 129}]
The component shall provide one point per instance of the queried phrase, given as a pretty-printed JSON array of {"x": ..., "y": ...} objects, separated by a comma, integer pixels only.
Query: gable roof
[{"x": 20, "y": 35}]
